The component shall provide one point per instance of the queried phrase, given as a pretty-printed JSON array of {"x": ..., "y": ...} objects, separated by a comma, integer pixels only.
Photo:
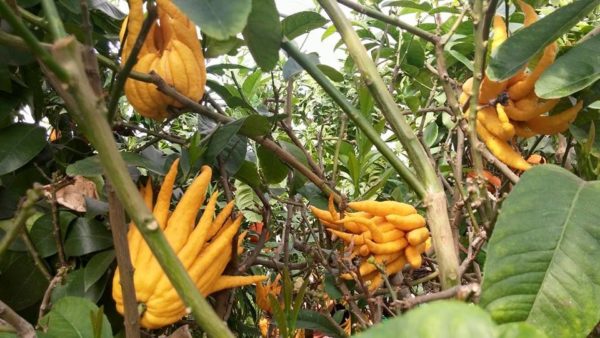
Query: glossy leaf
[
  {"x": 255, "y": 125},
  {"x": 86, "y": 236},
  {"x": 74, "y": 286},
  {"x": 21, "y": 283},
  {"x": 19, "y": 143},
  {"x": 263, "y": 33},
  {"x": 72, "y": 317},
  {"x": 308, "y": 319},
  {"x": 301, "y": 23},
  {"x": 519, "y": 330},
  {"x": 96, "y": 268},
  {"x": 542, "y": 257},
  {"x": 577, "y": 69},
  {"x": 272, "y": 168},
  {"x": 91, "y": 166},
  {"x": 219, "y": 19},
  {"x": 42, "y": 232},
  {"x": 525, "y": 43},
  {"x": 446, "y": 318}
]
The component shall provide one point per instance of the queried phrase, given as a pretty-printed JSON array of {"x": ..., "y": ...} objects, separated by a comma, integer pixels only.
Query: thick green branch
[
  {"x": 434, "y": 198},
  {"x": 83, "y": 105},
  {"x": 34, "y": 45},
  {"x": 356, "y": 116}
]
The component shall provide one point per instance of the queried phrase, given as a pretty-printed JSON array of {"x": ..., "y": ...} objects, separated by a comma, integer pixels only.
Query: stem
[
  {"x": 19, "y": 221},
  {"x": 34, "y": 45},
  {"x": 83, "y": 106},
  {"x": 132, "y": 59},
  {"x": 390, "y": 20},
  {"x": 362, "y": 123},
  {"x": 435, "y": 198},
  {"x": 118, "y": 229},
  {"x": 55, "y": 25},
  {"x": 478, "y": 63},
  {"x": 22, "y": 327}
]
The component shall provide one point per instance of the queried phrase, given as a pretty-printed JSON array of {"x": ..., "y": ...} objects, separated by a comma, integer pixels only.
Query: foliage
[{"x": 281, "y": 136}]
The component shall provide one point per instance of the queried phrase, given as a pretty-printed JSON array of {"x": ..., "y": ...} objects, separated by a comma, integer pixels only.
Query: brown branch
[
  {"x": 265, "y": 142},
  {"x": 168, "y": 137},
  {"x": 273, "y": 264},
  {"x": 390, "y": 20},
  {"x": 56, "y": 230},
  {"x": 119, "y": 234},
  {"x": 57, "y": 279},
  {"x": 461, "y": 292},
  {"x": 35, "y": 255},
  {"x": 24, "y": 328}
]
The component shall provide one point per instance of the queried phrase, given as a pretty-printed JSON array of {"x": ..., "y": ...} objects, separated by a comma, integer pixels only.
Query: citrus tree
[{"x": 194, "y": 167}]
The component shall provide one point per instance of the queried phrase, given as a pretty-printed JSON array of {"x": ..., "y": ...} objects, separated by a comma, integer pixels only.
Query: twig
[
  {"x": 56, "y": 230},
  {"x": 57, "y": 279},
  {"x": 36, "y": 48},
  {"x": 296, "y": 141},
  {"x": 504, "y": 169},
  {"x": 168, "y": 137},
  {"x": 390, "y": 20},
  {"x": 338, "y": 147},
  {"x": 273, "y": 264},
  {"x": 24, "y": 328},
  {"x": 18, "y": 222},
  {"x": 35, "y": 255},
  {"x": 267, "y": 143},
  {"x": 266, "y": 214},
  {"x": 356, "y": 116},
  {"x": 459, "y": 292},
  {"x": 130, "y": 63},
  {"x": 119, "y": 233}
]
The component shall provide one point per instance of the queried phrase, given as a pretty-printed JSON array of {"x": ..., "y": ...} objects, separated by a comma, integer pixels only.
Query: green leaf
[
  {"x": 263, "y": 33},
  {"x": 216, "y": 18},
  {"x": 22, "y": 284},
  {"x": 272, "y": 168},
  {"x": 248, "y": 174},
  {"x": 331, "y": 288},
  {"x": 41, "y": 232},
  {"x": 215, "y": 48},
  {"x": 542, "y": 257},
  {"x": 91, "y": 166},
  {"x": 96, "y": 268},
  {"x": 445, "y": 318},
  {"x": 313, "y": 194},
  {"x": 577, "y": 69},
  {"x": 19, "y": 143},
  {"x": 251, "y": 83},
  {"x": 430, "y": 134},
  {"x": 331, "y": 73},
  {"x": 308, "y": 319},
  {"x": 301, "y": 23},
  {"x": 74, "y": 285},
  {"x": 519, "y": 330},
  {"x": 87, "y": 236},
  {"x": 72, "y": 317},
  {"x": 255, "y": 125},
  {"x": 515, "y": 52},
  {"x": 223, "y": 136}
]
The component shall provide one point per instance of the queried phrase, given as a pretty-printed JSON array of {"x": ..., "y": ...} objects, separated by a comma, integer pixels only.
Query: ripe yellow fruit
[
  {"x": 172, "y": 51},
  {"x": 205, "y": 262}
]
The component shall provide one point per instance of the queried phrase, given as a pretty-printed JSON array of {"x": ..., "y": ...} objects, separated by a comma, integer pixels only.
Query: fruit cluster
[
  {"x": 172, "y": 50},
  {"x": 392, "y": 232},
  {"x": 511, "y": 108},
  {"x": 204, "y": 250}
]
